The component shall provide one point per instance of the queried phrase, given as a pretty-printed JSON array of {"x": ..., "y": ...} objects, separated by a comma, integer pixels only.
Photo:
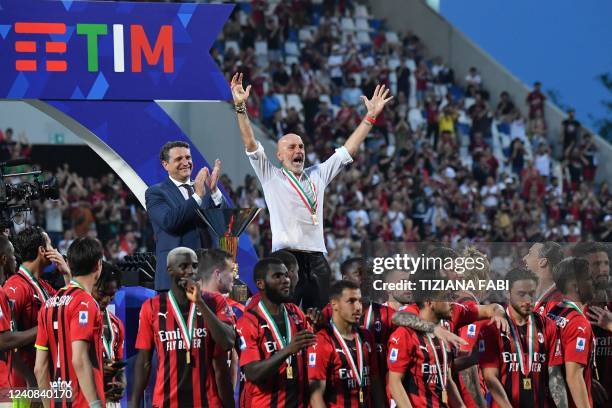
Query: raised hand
[
  {"x": 239, "y": 94},
  {"x": 378, "y": 101},
  {"x": 301, "y": 341},
  {"x": 214, "y": 176}
]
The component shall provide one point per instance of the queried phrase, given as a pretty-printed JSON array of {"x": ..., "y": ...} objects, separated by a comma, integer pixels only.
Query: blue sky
[{"x": 563, "y": 43}]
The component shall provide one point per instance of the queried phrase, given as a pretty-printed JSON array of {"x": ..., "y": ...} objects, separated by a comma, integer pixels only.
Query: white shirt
[
  {"x": 217, "y": 197},
  {"x": 290, "y": 220},
  {"x": 542, "y": 163}
]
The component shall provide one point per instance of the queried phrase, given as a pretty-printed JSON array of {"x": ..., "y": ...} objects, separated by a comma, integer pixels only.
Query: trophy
[{"x": 228, "y": 224}]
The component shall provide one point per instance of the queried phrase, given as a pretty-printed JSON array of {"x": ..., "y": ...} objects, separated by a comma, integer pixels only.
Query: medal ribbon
[
  {"x": 368, "y": 318},
  {"x": 311, "y": 205},
  {"x": 108, "y": 344},
  {"x": 543, "y": 295},
  {"x": 442, "y": 374},
  {"x": 186, "y": 330},
  {"x": 576, "y": 308},
  {"x": 42, "y": 293},
  {"x": 282, "y": 341},
  {"x": 517, "y": 342},
  {"x": 357, "y": 369}
]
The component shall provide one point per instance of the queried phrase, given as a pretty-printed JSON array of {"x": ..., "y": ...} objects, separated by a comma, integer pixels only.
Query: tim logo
[
  {"x": 54, "y": 52},
  {"x": 580, "y": 342}
]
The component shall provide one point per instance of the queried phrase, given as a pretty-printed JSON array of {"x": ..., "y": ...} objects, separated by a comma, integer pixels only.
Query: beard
[{"x": 277, "y": 296}]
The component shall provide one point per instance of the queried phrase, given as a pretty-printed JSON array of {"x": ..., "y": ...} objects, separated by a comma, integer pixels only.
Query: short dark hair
[
  {"x": 346, "y": 265},
  {"x": 28, "y": 241},
  {"x": 583, "y": 249},
  {"x": 570, "y": 269},
  {"x": 423, "y": 293},
  {"x": 336, "y": 289},
  {"x": 286, "y": 257},
  {"x": 164, "y": 153},
  {"x": 552, "y": 252},
  {"x": 262, "y": 267},
  {"x": 518, "y": 274},
  {"x": 5, "y": 244},
  {"x": 110, "y": 273},
  {"x": 209, "y": 260},
  {"x": 83, "y": 255}
]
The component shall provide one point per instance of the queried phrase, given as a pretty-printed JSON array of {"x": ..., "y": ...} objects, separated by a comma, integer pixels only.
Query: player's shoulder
[
  {"x": 81, "y": 299},
  {"x": 294, "y": 309},
  {"x": 15, "y": 283},
  {"x": 402, "y": 333},
  {"x": 214, "y": 298},
  {"x": 248, "y": 319}
]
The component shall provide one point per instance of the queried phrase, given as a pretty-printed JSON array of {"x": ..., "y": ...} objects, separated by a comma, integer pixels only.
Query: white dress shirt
[
  {"x": 217, "y": 197},
  {"x": 290, "y": 220}
]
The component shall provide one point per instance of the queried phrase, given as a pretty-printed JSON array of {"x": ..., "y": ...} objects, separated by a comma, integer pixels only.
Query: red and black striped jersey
[
  {"x": 26, "y": 301},
  {"x": 577, "y": 341},
  {"x": 497, "y": 350},
  {"x": 461, "y": 314},
  {"x": 377, "y": 319},
  {"x": 411, "y": 354},
  {"x": 470, "y": 334},
  {"x": 71, "y": 315},
  {"x": 118, "y": 336},
  {"x": 6, "y": 324},
  {"x": 327, "y": 362},
  {"x": 258, "y": 343},
  {"x": 179, "y": 384},
  {"x": 603, "y": 354},
  {"x": 547, "y": 301}
]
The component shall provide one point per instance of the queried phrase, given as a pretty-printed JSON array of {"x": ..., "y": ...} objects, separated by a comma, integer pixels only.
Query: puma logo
[
  {"x": 395, "y": 340},
  {"x": 13, "y": 289},
  {"x": 163, "y": 314},
  {"x": 423, "y": 347},
  {"x": 85, "y": 303},
  {"x": 581, "y": 328}
]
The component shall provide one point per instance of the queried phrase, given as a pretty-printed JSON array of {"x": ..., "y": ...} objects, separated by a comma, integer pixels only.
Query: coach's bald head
[{"x": 290, "y": 152}]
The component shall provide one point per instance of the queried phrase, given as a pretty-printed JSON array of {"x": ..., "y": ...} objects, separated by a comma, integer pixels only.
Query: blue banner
[{"x": 110, "y": 50}]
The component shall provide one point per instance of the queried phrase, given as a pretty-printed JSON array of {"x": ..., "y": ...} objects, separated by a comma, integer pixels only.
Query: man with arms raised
[
  {"x": 342, "y": 365},
  {"x": 522, "y": 367},
  {"x": 295, "y": 195},
  {"x": 186, "y": 334}
]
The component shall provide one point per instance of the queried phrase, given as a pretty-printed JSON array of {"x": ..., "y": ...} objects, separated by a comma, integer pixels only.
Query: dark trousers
[{"x": 312, "y": 290}]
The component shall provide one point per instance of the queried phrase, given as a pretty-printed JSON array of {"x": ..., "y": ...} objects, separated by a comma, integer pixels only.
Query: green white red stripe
[
  {"x": 516, "y": 338},
  {"x": 40, "y": 291},
  {"x": 311, "y": 204},
  {"x": 357, "y": 369},
  {"x": 186, "y": 329}
]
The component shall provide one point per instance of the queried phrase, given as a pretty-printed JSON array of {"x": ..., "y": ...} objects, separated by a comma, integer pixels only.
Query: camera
[{"x": 16, "y": 198}]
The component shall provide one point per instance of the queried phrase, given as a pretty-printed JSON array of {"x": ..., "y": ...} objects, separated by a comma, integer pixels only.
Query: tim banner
[{"x": 77, "y": 50}]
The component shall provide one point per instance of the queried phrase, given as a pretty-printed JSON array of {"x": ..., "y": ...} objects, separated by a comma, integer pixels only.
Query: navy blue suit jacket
[{"x": 175, "y": 224}]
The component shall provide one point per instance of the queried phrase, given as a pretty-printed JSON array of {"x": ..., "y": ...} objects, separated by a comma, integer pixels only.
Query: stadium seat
[
  {"x": 392, "y": 37},
  {"x": 291, "y": 48},
  {"x": 361, "y": 24},
  {"x": 232, "y": 45},
  {"x": 291, "y": 59},
  {"x": 363, "y": 38},
  {"x": 295, "y": 101},
  {"x": 305, "y": 34},
  {"x": 361, "y": 11},
  {"x": 347, "y": 24},
  {"x": 261, "y": 48}
]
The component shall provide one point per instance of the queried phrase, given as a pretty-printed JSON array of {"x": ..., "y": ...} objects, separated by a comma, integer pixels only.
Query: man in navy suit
[{"x": 172, "y": 205}]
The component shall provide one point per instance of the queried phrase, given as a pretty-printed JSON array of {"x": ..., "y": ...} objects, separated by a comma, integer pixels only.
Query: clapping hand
[{"x": 205, "y": 180}]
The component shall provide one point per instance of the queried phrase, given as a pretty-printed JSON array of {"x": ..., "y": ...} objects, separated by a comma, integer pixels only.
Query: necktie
[{"x": 189, "y": 189}]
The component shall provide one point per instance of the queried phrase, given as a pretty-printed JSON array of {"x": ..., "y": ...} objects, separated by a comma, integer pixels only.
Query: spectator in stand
[
  {"x": 543, "y": 161},
  {"x": 571, "y": 132},
  {"x": 505, "y": 108},
  {"x": 535, "y": 100},
  {"x": 590, "y": 153},
  {"x": 473, "y": 78}
]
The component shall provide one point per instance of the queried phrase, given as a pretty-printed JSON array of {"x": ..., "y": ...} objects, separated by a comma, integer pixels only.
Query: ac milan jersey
[
  {"x": 377, "y": 319},
  {"x": 548, "y": 300},
  {"x": 5, "y": 325},
  {"x": 327, "y": 362},
  {"x": 577, "y": 341},
  {"x": 220, "y": 307},
  {"x": 257, "y": 343},
  {"x": 252, "y": 302},
  {"x": 25, "y": 302},
  {"x": 461, "y": 314},
  {"x": 410, "y": 353},
  {"x": 603, "y": 354},
  {"x": 71, "y": 315},
  {"x": 179, "y": 384},
  {"x": 498, "y": 350},
  {"x": 118, "y": 337},
  {"x": 470, "y": 334}
]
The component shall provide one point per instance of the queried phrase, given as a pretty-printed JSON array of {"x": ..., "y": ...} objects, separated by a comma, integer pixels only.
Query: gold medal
[
  {"x": 526, "y": 383},
  {"x": 314, "y": 219},
  {"x": 361, "y": 395},
  {"x": 188, "y": 356},
  {"x": 290, "y": 372},
  {"x": 444, "y": 396}
]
